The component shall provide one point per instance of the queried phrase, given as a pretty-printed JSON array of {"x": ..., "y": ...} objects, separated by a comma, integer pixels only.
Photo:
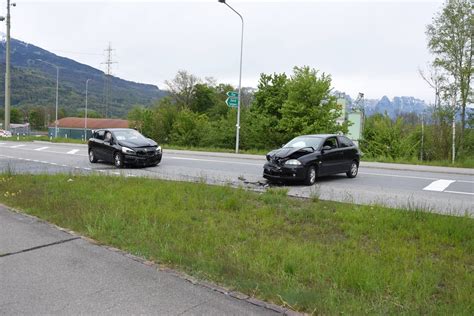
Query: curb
[{"x": 160, "y": 267}]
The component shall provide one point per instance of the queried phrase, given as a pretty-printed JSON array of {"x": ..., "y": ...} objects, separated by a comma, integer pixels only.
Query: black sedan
[
  {"x": 307, "y": 157},
  {"x": 123, "y": 146}
]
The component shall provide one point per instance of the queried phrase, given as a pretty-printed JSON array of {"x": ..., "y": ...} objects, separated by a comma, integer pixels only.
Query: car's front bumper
[
  {"x": 274, "y": 172},
  {"x": 142, "y": 160}
]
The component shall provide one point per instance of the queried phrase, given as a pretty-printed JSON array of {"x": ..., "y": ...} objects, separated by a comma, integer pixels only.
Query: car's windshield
[
  {"x": 128, "y": 135},
  {"x": 300, "y": 142}
]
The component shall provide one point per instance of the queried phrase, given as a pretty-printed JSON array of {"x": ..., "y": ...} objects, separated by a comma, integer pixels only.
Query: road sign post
[{"x": 233, "y": 99}]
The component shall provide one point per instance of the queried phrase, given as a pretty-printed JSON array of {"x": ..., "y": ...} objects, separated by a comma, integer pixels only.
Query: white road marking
[
  {"x": 17, "y": 146},
  {"x": 438, "y": 185},
  {"x": 87, "y": 168},
  {"x": 458, "y": 192},
  {"x": 396, "y": 176},
  {"x": 72, "y": 152},
  {"x": 41, "y": 148},
  {"x": 53, "y": 163}
]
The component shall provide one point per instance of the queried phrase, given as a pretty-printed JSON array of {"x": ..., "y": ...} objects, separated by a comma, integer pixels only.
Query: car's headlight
[
  {"x": 293, "y": 162},
  {"x": 127, "y": 150},
  {"x": 158, "y": 149}
]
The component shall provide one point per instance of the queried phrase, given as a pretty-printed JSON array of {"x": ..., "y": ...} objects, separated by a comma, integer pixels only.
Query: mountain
[
  {"x": 34, "y": 83},
  {"x": 395, "y": 107}
]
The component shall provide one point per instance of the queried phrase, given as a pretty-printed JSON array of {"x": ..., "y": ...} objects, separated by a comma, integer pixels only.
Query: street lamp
[
  {"x": 240, "y": 76},
  {"x": 7, "y": 68},
  {"x": 85, "y": 114},
  {"x": 57, "y": 95}
]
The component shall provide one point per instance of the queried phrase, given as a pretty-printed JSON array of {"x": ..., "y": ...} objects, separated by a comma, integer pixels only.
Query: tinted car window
[
  {"x": 345, "y": 142},
  {"x": 331, "y": 142}
]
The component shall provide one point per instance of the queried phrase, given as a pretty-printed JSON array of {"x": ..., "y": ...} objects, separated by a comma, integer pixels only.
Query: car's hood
[
  {"x": 287, "y": 152},
  {"x": 137, "y": 143}
]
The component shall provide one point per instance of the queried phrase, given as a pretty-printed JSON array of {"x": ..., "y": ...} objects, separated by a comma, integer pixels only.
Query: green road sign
[
  {"x": 233, "y": 94},
  {"x": 232, "y": 102}
]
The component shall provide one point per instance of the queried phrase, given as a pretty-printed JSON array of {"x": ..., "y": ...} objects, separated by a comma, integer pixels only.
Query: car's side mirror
[{"x": 325, "y": 148}]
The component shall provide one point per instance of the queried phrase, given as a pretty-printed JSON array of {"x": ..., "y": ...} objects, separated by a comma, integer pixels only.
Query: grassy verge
[
  {"x": 316, "y": 256},
  {"x": 465, "y": 163},
  {"x": 217, "y": 150}
]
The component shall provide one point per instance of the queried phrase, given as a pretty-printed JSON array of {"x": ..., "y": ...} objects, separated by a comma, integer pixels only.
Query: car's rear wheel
[
  {"x": 311, "y": 176},
  {"x": 352, "y": 173},
  {"x": 118, "y": 160},
  {"x": 92, "y": 157}
]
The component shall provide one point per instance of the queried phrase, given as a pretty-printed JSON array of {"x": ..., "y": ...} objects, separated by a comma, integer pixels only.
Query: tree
[
  {"x": 310, "y": 107},
  {"x": 16, "y": 117},
  {"x": 450, "y": 40},
  {"x": 182, "y": 88}
]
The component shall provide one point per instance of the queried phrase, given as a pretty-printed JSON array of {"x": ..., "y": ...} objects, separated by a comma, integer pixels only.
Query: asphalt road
[
  {"x": 437, "y": 189},
  {"x": 46, "y": 271}
]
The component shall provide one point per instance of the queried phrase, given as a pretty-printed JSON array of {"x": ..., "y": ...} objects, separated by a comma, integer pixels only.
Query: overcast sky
[{"x": 375, "y": 47}]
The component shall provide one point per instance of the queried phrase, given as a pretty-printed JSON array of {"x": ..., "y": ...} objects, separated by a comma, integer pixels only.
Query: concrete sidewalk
[{"x": 46, "y": 270}]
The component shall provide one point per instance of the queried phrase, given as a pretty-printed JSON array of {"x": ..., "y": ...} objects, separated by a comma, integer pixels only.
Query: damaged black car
[{"x": 305, "y": 158}]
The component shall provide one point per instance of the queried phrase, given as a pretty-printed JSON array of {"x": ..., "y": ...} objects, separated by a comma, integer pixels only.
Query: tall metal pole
[
  {"x": 7, "y": 73},
  {"x": 57, "y": 97},
  {"x": 240, "y": 78},
  {"x": 85, "y": 114}
]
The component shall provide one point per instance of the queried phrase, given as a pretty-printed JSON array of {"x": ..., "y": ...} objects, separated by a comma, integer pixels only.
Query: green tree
[
  {"x": 310, "y": 107},
  {"x": 261, "y": 127},
  {"x": 16, "y": 116},
  {"x": 450, "y": 40},
  {"x": 189, "y": 128},
  {"x": 37, "y": 118},
  {"x": 384, "y": 138}
]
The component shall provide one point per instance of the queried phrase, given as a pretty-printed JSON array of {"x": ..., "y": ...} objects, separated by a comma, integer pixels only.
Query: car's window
[
  {"x": 331, "y": 142},
  {"x": 108, "y": 137},
  {"x": 129, "y": 135},
  {"x": 100, "y": 135},
  {"x": 300, "y": 142},
  {"x": 345, "y": 142}
]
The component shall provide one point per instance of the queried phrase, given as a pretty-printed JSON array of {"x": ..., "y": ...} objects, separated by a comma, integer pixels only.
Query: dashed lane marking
[
  {"x": 438, "y": 185},
  {"x": 41, "y": 148},
  {"x": 72, "y": 152},
  {"x": 17, "y": 146},
  {"x": 458, "y": 192}
]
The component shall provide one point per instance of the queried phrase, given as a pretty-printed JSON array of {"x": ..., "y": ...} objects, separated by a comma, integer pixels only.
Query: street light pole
[
  {"x": 240, "y": 76},
  {"x": 57, "y": 95},
  {"x": 85, "y": 119},
  {"x": 7, "y": 69}
]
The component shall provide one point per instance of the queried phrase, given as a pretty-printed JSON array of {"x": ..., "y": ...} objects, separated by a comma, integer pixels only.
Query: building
[{"x": 74, "y": 127}]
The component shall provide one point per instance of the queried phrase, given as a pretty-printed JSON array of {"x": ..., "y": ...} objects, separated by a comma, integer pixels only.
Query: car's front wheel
[
  {"x": 92, "y": 157},
  {"x": 352, "y": 173},
  {"x": 311, "y": 176},
  {"x": 118, "y": 160}
]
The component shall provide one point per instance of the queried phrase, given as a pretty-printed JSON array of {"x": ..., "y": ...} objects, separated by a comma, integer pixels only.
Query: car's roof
[
  {"x": 319, "y": 135},
  {"x": 114, "y": 129}
]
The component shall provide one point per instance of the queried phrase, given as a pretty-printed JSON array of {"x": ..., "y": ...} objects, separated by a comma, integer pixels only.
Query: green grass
[
  {"x": 217, "y": 149},
  {"x": 319, "y": 257},
  {"x": 462, "y": 163}
]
